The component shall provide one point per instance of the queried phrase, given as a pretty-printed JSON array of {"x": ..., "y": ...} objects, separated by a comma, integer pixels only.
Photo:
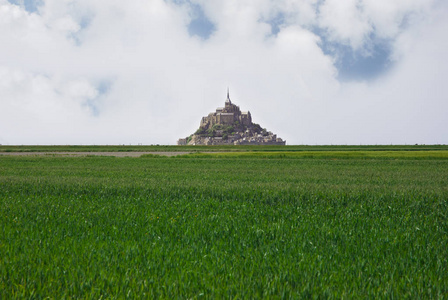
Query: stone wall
[{"x": 198, "y": 140}]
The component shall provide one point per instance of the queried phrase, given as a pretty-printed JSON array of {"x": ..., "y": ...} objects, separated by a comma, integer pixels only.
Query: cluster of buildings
[
  {"x": 227, "y": 115},
  {"x": 240, "y": 138},
  {"x": 229, "y": 126}
]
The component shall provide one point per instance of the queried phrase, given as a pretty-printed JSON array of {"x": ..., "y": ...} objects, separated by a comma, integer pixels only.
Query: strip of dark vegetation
[{"x": 223, "y": 148}]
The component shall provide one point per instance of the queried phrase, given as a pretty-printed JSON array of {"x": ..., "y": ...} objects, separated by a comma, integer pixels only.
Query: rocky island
[{"x": 230, "y": 126}]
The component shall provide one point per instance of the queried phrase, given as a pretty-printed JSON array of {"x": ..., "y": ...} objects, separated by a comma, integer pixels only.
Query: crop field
[{"x": 330, "y": 223}]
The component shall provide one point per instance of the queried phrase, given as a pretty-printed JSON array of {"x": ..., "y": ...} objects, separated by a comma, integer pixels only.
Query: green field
[{"x": 304, "y": 222}]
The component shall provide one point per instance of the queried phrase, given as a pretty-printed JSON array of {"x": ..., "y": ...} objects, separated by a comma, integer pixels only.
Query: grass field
[{"x": 328, "y": 223}]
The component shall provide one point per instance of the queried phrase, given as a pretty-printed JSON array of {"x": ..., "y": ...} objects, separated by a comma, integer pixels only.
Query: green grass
[
  {"x": 225, "y": 227},
  {"x": 321, "y": 154}
]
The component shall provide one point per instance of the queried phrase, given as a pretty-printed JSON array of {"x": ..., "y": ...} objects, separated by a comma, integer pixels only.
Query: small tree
[
  {"x": 264, "y": 132},
  {"x": 200, "y": 131},
  {"x": 211, "y": 132},
  {"x": 217, "y": 127},
  {"x": 228, "y": 129},
  {"x": 256, "y": 128}
]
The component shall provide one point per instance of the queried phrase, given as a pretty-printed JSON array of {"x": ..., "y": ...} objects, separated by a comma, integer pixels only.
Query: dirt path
[{"x": 117, "y": 154}]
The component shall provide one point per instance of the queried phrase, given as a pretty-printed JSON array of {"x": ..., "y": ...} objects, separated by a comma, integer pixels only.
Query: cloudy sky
[{"x": 146, "y": 71}]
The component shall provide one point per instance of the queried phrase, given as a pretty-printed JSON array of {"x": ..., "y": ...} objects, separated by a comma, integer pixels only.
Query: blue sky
[
  {"x": 28, "y": 5},
  {"x": 351, "y": 64},
  {"x": 313, "y": 71},
  {"x": 200, "y": 25}
]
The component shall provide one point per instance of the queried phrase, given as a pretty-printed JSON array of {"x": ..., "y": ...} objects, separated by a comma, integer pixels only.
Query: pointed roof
[{"x": 228, "y": 96}]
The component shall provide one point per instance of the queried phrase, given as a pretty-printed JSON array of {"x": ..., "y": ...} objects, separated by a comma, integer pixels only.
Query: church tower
[{"x": 228, "y": 97}]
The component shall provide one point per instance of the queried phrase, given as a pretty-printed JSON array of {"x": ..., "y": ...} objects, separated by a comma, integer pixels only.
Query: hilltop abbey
[
  {"x": 230, "y": 126},
  {"x": 227, "y": 115}
]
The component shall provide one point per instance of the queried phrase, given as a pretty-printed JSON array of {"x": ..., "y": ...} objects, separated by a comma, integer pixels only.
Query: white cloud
[
  {"x": 160, "y": 81},
  {"x": 346, "y": 21}
]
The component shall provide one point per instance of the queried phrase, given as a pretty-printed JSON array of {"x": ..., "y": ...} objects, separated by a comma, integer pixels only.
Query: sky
[{"x": 107, "y": 72}]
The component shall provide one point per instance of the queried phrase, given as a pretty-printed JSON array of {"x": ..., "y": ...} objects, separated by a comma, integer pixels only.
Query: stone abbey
[
  {"x": 227, "y": 115},
  {"x": 230, "y": 126}
]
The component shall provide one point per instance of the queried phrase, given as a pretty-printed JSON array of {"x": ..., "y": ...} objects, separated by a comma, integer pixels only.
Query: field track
[{"x": 117, "y": 154}]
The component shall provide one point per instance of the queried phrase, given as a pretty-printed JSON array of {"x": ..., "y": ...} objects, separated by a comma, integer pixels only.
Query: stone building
[
  {"x": 227, "y": 115},
  {"x": 228, "y": 125}
]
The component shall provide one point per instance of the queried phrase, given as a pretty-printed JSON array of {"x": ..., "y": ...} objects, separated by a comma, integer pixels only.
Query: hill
[{"x": 229, "y": 126}]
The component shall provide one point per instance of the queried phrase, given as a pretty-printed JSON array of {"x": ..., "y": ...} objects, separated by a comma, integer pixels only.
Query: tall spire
[{"x": 228, "y": 95}]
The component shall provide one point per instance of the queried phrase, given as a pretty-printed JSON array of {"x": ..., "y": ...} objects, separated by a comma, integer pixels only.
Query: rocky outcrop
[{"x": 229, "y": 126}]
